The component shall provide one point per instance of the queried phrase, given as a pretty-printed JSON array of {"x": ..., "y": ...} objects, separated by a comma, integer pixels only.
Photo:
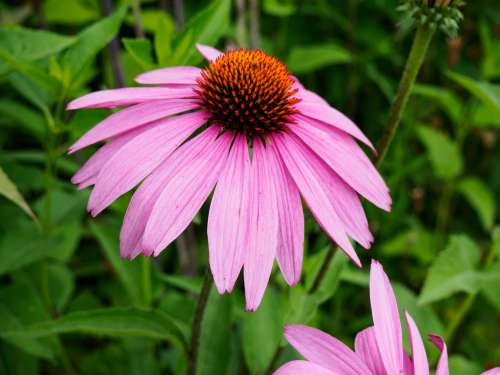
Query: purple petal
[
  {"x": 184, "y": 194},
  {"x": 186, "y": 75},
  {"x": 419, "y": 356},
  {"x": 325, "y": 350},
  {"x": 262, "y": 227},
  {"x": 291, "y": 221},
  {"x": 386, "y": 320},
  {"x": 128, "y": 96},
  {"x": 493, "y": 371},
  {"x": 442, "y": 366},
  {"x": 366, "y": 347},
  {"x": 208, "y": 52},
  {"x": 346, "y": 158},
  {"x": 308, "y": 172},
  {"x": 303, "y": 368},
  {"x": 147, "y": 194},
  {"x": 131, "y": 118},
  {"x": 227, "y": 219}
]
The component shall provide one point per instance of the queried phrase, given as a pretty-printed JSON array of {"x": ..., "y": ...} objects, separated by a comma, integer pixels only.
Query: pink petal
[
  {"x": 147, "y": 194},
  {"x": 493, "y": 371},
  {"x": 324, "y": 350},
  {"x": 302, "y": 368},
  {"x": 129, "y": 95},
  {"x": 366, "y": 347},
  {"x": 227, "y": 219},
  {"x": 442, "y": 366},
  {"x": 262, "y": 227},
  {"x": 346, "y": 158},
  {"x": 308, "y": 172},
  {"x": 208, "y": 52},
  {"x": 386, "y": 320},
  {"x": 184, "y": 194},
  {"x": 329, "y": 115},
  {"x": 131, "y": 118},
  {"x": 419, "y": 356},
  {"x": 291, "y": 221},
  {"x": 139, "y": 157},
  {"x": 186, "y": 75}
]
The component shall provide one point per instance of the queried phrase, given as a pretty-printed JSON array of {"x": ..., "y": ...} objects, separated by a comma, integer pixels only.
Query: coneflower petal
[
  {"x": 442, "y": 365},
  {"x": 366, "y": 347},
  {"x": 291, "y": 221},
  {"x": 418, "y": 354},
  {"x": 262, "y": 228},
  {"x": 131, "y": 118},
  {"x": 303, "y": 368},
  {"x": 227, "y": 219},
  {"x": 185, "y": 193},
  {"x": 208, "y": 52},
  {"x": 308, "y": 172},
  {"x": 179, "y": 75}
]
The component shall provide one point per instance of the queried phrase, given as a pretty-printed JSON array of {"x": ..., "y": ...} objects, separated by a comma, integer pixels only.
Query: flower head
[
  {"x": 247, "y": 130},
  {"x": 378, "y": 349}
]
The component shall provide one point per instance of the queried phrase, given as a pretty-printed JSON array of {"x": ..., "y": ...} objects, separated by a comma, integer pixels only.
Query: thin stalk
[
  {"x": 136, "y": 10},
  {"x": 179, "y": 13},
  {"x": 418, "y": 51},
  {"x": 114, "y": 49},
  {"x": 254, "y": 24},
  {"x": 241, "y": 29},
  {"x": 197, "y": 320}
]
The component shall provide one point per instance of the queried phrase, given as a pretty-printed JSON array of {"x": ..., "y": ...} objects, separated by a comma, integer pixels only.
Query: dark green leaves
[
  {"x": 311, "y": 58},
  {"x": 9, "y": 191}
]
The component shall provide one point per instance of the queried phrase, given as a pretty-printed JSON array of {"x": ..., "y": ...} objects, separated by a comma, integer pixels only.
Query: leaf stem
[
  {"x": 418, "y": 50},
  {"x": 197, "y": 320}
]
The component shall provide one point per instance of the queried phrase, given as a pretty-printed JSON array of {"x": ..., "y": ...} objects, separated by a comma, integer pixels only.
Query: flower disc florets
[
  {"x": 442, "y": 14},
  {"x": 249, "y": 92}
]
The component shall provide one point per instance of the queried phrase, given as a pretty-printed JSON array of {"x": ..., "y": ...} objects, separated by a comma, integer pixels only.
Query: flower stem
[
  {"x": 136, "y": 10},
  {"x": 254, "y": 24},
  {"x": 197, "y": 320},
  {"x": 418, "y": 50},
  {"x": 241, "y": 19}
]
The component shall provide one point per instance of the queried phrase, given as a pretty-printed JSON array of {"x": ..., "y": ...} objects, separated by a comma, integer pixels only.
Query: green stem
[
  {"x": 197, "y": 320},
  {"x": 136, "y": 10},
  {"x": 241, "y": 19},
  {"x": 419, "y": 48},
  {"x": 146, "y": 281}
]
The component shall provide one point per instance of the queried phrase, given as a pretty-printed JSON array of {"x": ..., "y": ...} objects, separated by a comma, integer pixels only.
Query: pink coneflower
[
  {"x": 378, "y": 349},
  {"x": 246, "y": 127}
]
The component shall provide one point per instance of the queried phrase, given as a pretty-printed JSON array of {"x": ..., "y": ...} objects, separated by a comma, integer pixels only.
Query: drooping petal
[
  {"x": 325, "y": 350},
  {"x": 184, "y": 194},
  {"x": 210, "y": 53},
  {"x": 128, "y": 96},
  {"x": 346, "y": 158},
  {"x": 147, "y": 194},
  {"x": 131, "y": 118},
  {"x": 227, "y": 219},
  {"x": 185, "y": 75},
  {"x": 141, "y": 155},
  {"x": 366, "y": 347},
  {"x": 493, "y": 371},
  {"x": 303, "y": 368},
  {"x": 329, "y": 115},
  {"x": 442, "y": 365},
  {"x": 386, "y": 321},
  {"x": 262, "y": 227},
  {"x": 418, "y": 354},
  {"x": 308, "y": 172},
  {"x": 291, "y": 221}
]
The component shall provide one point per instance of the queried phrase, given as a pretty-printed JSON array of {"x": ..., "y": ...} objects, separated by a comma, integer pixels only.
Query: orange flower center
[{"x": 249, "y": 92}]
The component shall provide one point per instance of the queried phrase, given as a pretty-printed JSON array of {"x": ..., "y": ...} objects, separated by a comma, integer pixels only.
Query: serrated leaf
[
  {"x": 453, "y": 271},
  {"x": 141, "y": 51},
  {"x": 480, "y": 197},
  {"x": 443, "y": 153},
  {"x": 9, "y": 190},
  {"x": 310, "y": 58}
]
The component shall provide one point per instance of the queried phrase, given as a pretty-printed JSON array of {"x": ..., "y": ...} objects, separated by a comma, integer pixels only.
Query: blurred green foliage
[{"x": 69, "y": 304}]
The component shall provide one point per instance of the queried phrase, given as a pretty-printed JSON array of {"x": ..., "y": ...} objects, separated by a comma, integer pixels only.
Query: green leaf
[
  {"x": 23, "y": 117},
  {"x": 9, "y": 191},
  {"x": 187, "y": 283},
  {"x": 70, "y": 12},
  {"x": 163, "y": 40},
  {"x": 480, "y": 197},
  {"x": 484, "y": 91},
  {"x": 453, "y": 271},
  {"x": 266, "y": 322},
  {"x": 443, "y": 153},
  {"x": 307, "y": 59},
  {"x": 215, "y": 345},
  {"x": 110, "y": 322},
  {"x": 128, "y": 272},
  {"x": 141, "y": 51},
  {"x": 205, "y": 27},
  {"x": 280, "y": 8},
  {"x": 490, "y": 285},
  {"x": 463, "y": 366},
  {"x": 485, "y": 116},
  {"x": 61, "y": 284},
  {"x": 89, "y": 42},
  {"x": 448, "y": 101},
  {"x": 331, "y": 279}
]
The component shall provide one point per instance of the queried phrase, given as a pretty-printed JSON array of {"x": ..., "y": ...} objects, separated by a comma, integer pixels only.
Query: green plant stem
[
  {"x": 197, "y": 320},
  {"x": 241, "y": 19},
  {"x": 136, "y": 10},
  {"x": 146, "y": 281},
  {"x": 417, "y": 54}
]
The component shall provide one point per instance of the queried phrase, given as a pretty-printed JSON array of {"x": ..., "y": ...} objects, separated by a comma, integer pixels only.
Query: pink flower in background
[
  {"x": 378, "y": 349},
  {"x": 192, "y": 133}
]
